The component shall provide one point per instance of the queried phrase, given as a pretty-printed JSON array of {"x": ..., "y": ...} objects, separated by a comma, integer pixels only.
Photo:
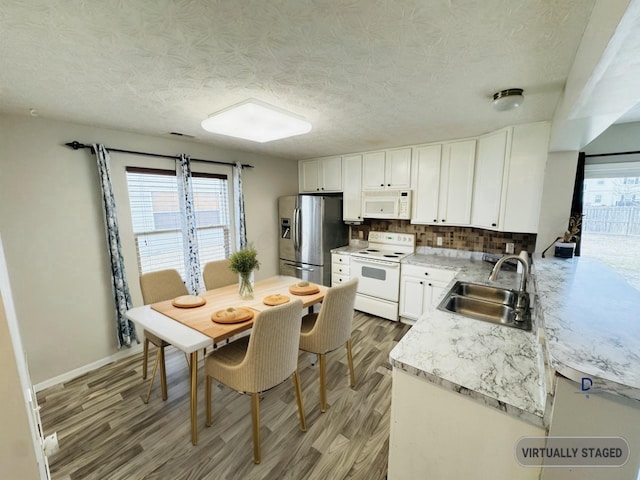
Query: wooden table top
[{"x": 199, "y": 318}]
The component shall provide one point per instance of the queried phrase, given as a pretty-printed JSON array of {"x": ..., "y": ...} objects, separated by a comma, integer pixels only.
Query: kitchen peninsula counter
[
  {"x": 500, "y": 366},
  {"x": 592, "y": 323}
]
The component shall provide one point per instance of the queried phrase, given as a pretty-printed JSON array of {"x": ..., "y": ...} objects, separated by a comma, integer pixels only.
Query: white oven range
[{"x": 378, "y": 271}]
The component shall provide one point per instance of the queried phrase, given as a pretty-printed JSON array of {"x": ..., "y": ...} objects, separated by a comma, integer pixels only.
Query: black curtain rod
[
  {"x": 612, "y": 154},
  {"x": 77, "y": 146}
]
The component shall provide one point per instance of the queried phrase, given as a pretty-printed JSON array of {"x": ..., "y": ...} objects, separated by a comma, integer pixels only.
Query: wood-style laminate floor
[{"x": 105, "y": 430}]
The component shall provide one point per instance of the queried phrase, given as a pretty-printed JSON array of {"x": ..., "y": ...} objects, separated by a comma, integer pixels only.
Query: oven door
[{"x": 377, "y": 278}]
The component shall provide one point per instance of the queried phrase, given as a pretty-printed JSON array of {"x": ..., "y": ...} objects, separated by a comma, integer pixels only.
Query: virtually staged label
[{"x": 572, "y": 451}]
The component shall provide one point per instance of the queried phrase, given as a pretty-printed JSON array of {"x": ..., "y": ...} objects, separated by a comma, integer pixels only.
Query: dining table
[{"x": 192, "y": 329}]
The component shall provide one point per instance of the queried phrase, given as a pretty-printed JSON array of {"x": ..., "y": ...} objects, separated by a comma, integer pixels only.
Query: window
[
  {"x": 155, "y": 214},
  {"x": 598, "y": 199}
]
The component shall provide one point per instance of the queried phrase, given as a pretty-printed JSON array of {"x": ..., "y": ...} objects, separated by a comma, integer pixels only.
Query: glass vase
[{"x": 245, "y": 288}]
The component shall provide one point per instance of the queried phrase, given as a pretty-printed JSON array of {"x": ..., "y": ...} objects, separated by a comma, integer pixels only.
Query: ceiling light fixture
[
  {"x": 508, "y": 99},
  {"x": 256, "y": 121}
]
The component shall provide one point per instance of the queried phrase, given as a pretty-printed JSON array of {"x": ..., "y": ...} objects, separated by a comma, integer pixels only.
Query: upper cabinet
[
  {"x": 443, "y": 183},
  {"x": 523, "y": 179},
  {"x": 387, "y": 169},
  {"x": 487, "y": 184},
  {"x": 322, "y": 175},
  {"x": 352, "y": 188}
]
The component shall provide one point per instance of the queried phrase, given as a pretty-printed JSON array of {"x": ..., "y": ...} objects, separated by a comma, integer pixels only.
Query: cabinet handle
[
  {"x": 443, "y": 220},
  {"x": 388, "y": 184},
  {"x": 426, "y": 273},
  {"x": 435, "y": 219},
  {"x": 430, "y": 285},
  {"x": 421, "y": 283},
  {"x": 494, "y": 224},
  {"x": 382, "y": 184}
]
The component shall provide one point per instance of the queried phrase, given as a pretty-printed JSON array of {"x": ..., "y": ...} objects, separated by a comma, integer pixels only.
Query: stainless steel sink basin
[
  {"x": 485, "y": 292},
  {"x": 486, "y": 303}
]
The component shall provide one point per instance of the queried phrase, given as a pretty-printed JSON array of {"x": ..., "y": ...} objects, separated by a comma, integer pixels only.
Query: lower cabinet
[
  {"x": 421, "y": 288},
  {"x": 340, "y": 268}
]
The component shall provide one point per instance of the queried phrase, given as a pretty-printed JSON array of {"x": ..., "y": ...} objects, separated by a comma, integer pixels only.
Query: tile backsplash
[{"x": 458, "y": 238}]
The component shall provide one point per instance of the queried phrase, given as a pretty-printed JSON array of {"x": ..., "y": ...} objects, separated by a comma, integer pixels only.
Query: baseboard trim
[{"x": 65, "y": 377}]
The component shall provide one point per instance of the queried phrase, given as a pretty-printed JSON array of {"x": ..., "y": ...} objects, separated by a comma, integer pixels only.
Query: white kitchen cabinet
[
  {"x": 443, "y": 183},
  {"x": 388, "y": 169},
  {"x": 340, "y": 268},
  {"x": 524, "y": 178},
  {"x": 352, "y": 188},
  {"x": 320, "y": 175},
  {"x": 487, "y": 184},
  {"x": 426, "y": 183},
  {"x": 421, "y": 288},
  {"x": 456, "y": 182}
]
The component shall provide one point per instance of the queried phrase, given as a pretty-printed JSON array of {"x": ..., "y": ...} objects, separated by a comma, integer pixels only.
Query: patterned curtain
[
  {"x": 239, "y": 196},
  {"x": 125, "y": 328},
  {"x": 193, "y": 276}
]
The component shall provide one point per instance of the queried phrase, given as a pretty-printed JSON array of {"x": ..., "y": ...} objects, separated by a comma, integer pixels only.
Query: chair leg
[
  {"x": 163, "y": 373},
  {"x": 207, "y": 396},
  {"x": 296, "y": 385},
  {"x": 352, "y": 374},
  {"x": 255, "y": 419},
  {"x": 145, "y": 358},
  {"x": 323, "y": 382},
  {"x": 153, "y": 375}
]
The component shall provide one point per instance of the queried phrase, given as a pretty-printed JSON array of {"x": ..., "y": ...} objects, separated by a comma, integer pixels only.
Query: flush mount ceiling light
[
  {"x": 256, "y": 121},
  {"x": 508, "y": 99}
]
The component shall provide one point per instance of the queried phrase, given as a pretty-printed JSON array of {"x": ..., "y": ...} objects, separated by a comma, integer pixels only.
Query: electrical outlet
[
  {"x": 439, "y": 241},
  {"x": 510, "y": 247}
]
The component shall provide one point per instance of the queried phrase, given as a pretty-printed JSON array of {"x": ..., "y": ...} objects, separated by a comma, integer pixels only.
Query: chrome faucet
[{"x": 522, "y": 304}]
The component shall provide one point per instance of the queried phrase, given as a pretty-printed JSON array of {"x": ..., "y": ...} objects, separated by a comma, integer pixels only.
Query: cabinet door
[
  {"x": 522, "y": 192},
  {"x": 487, "y": 183},
  {"x": 437, "y": 290},
  {"x": 412, "y": 296},
  {"x": 352, "y": 188},
  {"x": 308, "y": 176},
  {"x": 331, "y": 174},
  {"x": 456, "y": 182},
  {"x": 398, "y": 168},
  {"x": 426, "y": 184},
  {"x": 373, "y": 171}
]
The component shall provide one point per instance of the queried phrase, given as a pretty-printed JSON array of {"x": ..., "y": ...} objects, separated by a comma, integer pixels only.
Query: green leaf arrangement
[{"x": 244, "y": 261}]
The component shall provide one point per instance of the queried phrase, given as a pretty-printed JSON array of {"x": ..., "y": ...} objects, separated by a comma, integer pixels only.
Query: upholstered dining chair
[
  {"x": 217, "y": 274},
  {"x": 157, "y": 287},
  {"x": 330, "y": 329},
  {"x": 260, "y": 362}
]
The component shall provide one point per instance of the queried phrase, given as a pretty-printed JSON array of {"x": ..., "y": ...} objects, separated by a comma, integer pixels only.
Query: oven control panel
[{"x": 392, "y": 239}]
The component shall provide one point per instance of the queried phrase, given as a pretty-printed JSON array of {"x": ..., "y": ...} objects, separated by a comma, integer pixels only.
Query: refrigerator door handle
[{"x": 296, "y": 229}]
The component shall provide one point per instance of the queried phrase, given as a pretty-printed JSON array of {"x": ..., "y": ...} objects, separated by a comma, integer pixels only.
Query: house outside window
[{"x": 155, "y": 215}]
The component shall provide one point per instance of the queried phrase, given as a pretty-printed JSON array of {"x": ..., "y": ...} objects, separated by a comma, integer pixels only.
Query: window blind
[{"x": 155, "y": 216}]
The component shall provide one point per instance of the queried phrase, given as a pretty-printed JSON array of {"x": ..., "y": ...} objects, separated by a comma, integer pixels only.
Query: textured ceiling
[{"x": 366, "y": 73}]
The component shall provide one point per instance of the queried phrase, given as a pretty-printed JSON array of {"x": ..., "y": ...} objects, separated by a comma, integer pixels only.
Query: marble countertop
[
  {"x": 500, "y": 366},
  {"x": 349, "y": 248},
  {"x": 592, "y": 323}
]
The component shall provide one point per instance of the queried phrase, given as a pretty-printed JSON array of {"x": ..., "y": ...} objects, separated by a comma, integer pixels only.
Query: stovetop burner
[{"x": 391, "y": 255}]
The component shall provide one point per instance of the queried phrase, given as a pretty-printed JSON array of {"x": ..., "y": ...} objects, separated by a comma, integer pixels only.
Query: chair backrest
[
  {"x": 161, "y": 285},
  {"x": 217, "y": 274},
  {"x": 333, "y": 325},
  {"x": 272, "y": 352}
]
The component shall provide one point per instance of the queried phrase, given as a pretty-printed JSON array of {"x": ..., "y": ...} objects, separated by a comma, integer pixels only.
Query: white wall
[
  {"x": 617, "y": 138},
  {"x": 53, "y": 232},
  {"x": 557, "y": 194}
]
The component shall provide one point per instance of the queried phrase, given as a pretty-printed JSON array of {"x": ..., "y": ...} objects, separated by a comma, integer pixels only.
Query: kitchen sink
[
  {"x": 485, "y": 292},
  {"x": 486, "y": 303}
]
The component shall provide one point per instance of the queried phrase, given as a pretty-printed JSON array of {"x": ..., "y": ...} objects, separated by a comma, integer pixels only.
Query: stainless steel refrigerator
[{"x": 310, "y": 226}]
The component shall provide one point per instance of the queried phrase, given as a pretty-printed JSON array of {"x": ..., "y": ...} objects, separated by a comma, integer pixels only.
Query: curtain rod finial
[{"x": 75, "y": 145}]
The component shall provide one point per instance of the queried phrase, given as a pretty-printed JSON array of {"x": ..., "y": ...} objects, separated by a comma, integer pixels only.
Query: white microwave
[{"x": 394, "y": 204}]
